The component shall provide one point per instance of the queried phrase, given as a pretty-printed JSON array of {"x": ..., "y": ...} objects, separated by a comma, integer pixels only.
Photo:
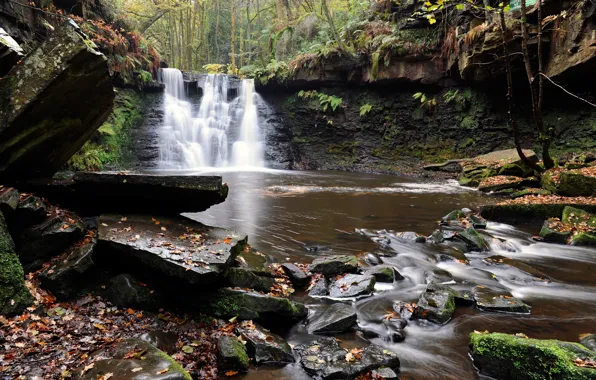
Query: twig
[
  {"x": 38, "y": 9},
  {"x": 569, "y": 93}
]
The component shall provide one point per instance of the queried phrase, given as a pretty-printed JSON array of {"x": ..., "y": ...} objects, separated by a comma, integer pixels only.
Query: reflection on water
[{"x": 298, "y": 216}]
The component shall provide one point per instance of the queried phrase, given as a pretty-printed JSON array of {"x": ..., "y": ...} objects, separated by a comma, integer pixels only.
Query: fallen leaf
[
  {"x": 136, "y": 369},
  {"x": 162, "y": 371},
  {"x": 231, "y": 373}
]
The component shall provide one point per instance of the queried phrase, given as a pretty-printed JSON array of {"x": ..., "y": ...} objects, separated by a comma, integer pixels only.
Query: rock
[
  {"x": 527, "y": 269},
  {"x": 10, "y": 52},
  {"x": 583, "y": 239},
  {"x": 477, "y": 221},
  {"x": 403, "y": 309},
  {"x": 372, "y": 259},
  {"x": 335, "y": 264},
  {"x": 165, "y": 341},
  {"x": 94, "y": 193},
  {"x": 65, "y": 276},
  {"x": 589, "y": 342},
  {"x": 436, "y": 237},
  {"x": 384, "y": 373},
  {"x": 411, "y": 236},
  {"x": 523, "y": 193},
  {"x": 37, "y": 244},
  {"x": 352, "y": 285},
  {"x": 453, "y": 215},
  {"x": 450, "y": 166},
  {"x": 578, "y": 217},
  {"x": 395, "y": 329},
  {"x": 504, "y": 356},
  {"x": 319, "y": 288},
  {"x": 498, "y": 160},
  {"x": 334, "y": 319},
  {"x": 435, "y": 304},
  {"x": 460, "y": 296},
  {"x": 522, "y": 213},
  {"x": 246, "y": 305},
  {"x": 231, "y": 355},
  {"x": 254, "y": 261},
  {"x": 325, "y": 359},
  {"x": 14, "y": 295},
  {"x": 437, "y": 275},
  {"x": 245, "y": 278},
  {"x": 383, "y": 273},
  {"x": 116, "y": 359},
  {"x": 473, "y": 240},
  {"x": 498, "y": 183},
  {"x": 124, "y": 291},
  {"x": 572, "y": 183},
  {"x": 550, "y": 234},
  {"x": 30, "y": 210},
  {"x": 492, "y": 300},
  {"x": 54, "y": 101},
  {"x": 264, "y": 346},
  {"x": 9, "y": 201},
  {"x": 171, "y": 247},
  {"x": 297, "y": 276}
]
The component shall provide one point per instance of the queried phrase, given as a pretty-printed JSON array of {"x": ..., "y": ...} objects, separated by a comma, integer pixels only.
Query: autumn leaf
[
  {"x": 107, "y": 376},
  {"x": 231, "y": 373},
  {"x": 87, "y": 368},
  {"x": 136, "y": 369},
  {"x": 162, "y": 371}
]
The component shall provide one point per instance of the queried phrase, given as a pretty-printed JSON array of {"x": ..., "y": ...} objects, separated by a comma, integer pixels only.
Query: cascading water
[{"x": 194, "y": 140}]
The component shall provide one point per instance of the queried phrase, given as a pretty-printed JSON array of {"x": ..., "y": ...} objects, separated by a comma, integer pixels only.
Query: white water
[{"x": 200, "y": 138}]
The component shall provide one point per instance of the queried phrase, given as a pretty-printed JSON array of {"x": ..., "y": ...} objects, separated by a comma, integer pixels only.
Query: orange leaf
[{"x": 231, "y": 373}]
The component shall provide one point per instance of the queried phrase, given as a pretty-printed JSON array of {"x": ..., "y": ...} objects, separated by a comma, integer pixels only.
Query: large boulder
[
  {"x": 325, "y": 359},
  {"x": 231, "y": 355},
  {"x": 14, "y": 295},
  {"x": 132, "y": 359},
  {"x": 574, "y": 183},
  {"x": 503, "y": 356},
  {"x": 172, "y": 247},
  {"x": 264, "y": 346},
  {"x": 53, "y": 102},
  {"x": 95, "y": 193}
]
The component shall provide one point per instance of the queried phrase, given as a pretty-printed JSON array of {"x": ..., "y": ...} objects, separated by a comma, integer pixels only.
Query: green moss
[
  {"x": 506, "y": 356},
  {"x": 175, "y": 367},
  {"x": 345, "y": 147},
  {"x": 469, "y": 122},
  {"x": 109, "y": 145},
  {"x": 526, "y": 212}
]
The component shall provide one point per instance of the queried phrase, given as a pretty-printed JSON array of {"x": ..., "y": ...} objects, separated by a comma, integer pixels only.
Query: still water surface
[{"x": 297, "y": 216}]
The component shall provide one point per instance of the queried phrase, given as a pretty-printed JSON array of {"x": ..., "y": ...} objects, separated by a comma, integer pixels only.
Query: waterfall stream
[{"x": 199, "y": 137}]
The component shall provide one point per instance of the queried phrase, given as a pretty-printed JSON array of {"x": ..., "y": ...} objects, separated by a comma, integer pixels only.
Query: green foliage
[
  {"x": 429, "y": 103},
  {"x": 146, "y": 76},
  {"x": 327, "y": 101},
  {"x": 215, "y": 68},
  {"x": 365, "y": 109}
]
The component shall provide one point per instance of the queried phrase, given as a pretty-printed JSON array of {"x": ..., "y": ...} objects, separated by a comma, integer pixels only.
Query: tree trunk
[
  {"x": 340, "y": 43},
  {"x": 233, "y": 53}
]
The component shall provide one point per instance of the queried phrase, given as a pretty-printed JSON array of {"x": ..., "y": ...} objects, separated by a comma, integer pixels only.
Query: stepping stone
[
  {"x": 334, "y": 265},
  {"x": 352, "y": 285},
  {"x": 264, "y": 346},
  {"x": 334, "y": 319},
  {"x": 501, "y": 301},
  {"x": 436, "y": 304},
  {"x": 231, "y": 355}
]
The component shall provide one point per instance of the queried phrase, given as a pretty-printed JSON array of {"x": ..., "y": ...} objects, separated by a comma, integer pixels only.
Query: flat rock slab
[
  {"x": 352, "y": 285},
  {"x": 334, "y": 319},
  {"x": 132, "y": 359},
  {"x": 53, "y": 102},
  {"x": 264, "y": 346},
  {"x": 334, "y": 264},
  {"x": 107, "y": 192},
  {"x": 178, "y": 247},
  {"x": 325, "y": 359},
  {"x": 501, "y": 301}
]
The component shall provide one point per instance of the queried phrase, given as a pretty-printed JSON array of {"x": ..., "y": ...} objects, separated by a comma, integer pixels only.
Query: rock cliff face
[{"x": 52, "y": 103}]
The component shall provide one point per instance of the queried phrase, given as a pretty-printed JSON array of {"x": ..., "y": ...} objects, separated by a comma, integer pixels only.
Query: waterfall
[{"x": 194, "y": 138}]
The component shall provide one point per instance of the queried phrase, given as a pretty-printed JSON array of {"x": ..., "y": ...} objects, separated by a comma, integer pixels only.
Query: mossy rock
[
  {"x": 524, "y": 192},
  {"x": 570, "y": 184},
  {"x": 335, "y": 264},
  {"x": 231, "y": 355},
  {"x": 517, "y": 213},
  {"x": 578, "y": 217},
  {"x": 583, "y": 238},
  {"x": 551, "y": 235},
  {"x": 436, "y": 304},
  {"x": 473, "y": 240},
  {"x": 469, "y": 182},
  {"x": 14, "y": 295},
  {"x": 245, "y": 278},
  {"x": 453, "y": 215},
  {"x": 504, "y": 356},
  {"x": 517, "y": 170}
]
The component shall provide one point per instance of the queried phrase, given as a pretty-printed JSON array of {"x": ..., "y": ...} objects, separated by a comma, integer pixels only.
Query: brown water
[{"x": 288, "y": 214}]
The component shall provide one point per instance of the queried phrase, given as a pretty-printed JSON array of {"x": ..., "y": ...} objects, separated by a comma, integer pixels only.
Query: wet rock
[
  {"x": 473, "y": 240},
  {"x": 245, "y": 278},
  {"x": 264, "y": 346},
  {"x": 450, "y": 166},
  {"x": 319, "y": 288},
  {"x": 493, "y": 300},
  {"x": 10, "y": 52},
  {"x": 522, "y": 213},
  {"x": 395, "y": 330},
  {"x": 246, "y": 305},
  {"x": 334, "y": 319},
  {"x": 297, "y": 276},
  {"x": 437, "y": 275},
  {"x": 51, "y": 237},
  {"x": 462, "y": 296},
  {"x": 231, "y": 355},
  {"x": 436, "y": 237},
  {"x": 324, "y": 358},
  {"x": 125, "y": 291},
  {"x": 477, "y": 221},
  {"x": 527, "y": 269},
  {"x": 117, "y": 360},
  {"x": 372, "y": 259},
  {"x": 65, "y": 276},
  {"x": 254, "y": 261},
  {"x": 410, "y": 236},
  {"x": 403, "y": 309},
  {"x": 384, "y": 373},
  {"x": 550, "y": 234},
  {"x": 523, "y": 193},
  {"x": 352, "y": 285},
  {"x": 453, "y": 215},
  {"x": 578, "y": 217},
  {"x": 383, "y": 273},
  {"x": 94, "y": 193},
  {"x": 9, "y": 201},
  {"x": 14, "y": 295},
  {"x": 165, "y": 341},
  {"x": 504, "y": 356},
  {"x": 174, "y": 247},
  {"x": 335, "y": 264},
  {"x": 435, "y": 304},
  {"x": 589, "y": 342},
  {"x": 66, "y": 73},
  {"x": 31, "y": 210}
]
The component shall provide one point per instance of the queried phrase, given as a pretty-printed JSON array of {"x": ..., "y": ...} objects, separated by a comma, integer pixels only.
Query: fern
[{"x": 365, "y": 109}]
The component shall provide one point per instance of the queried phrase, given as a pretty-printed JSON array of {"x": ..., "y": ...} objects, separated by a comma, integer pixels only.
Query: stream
[{"x": 297, "y": 216}]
